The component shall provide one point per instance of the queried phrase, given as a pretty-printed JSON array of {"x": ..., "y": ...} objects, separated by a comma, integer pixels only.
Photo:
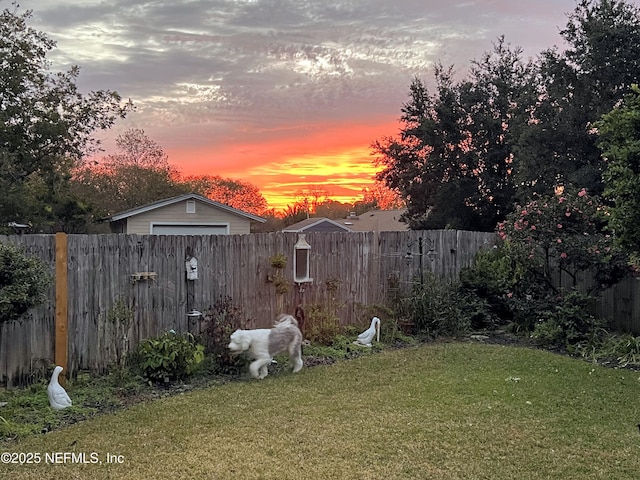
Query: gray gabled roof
[
  {"x": 188, "y": 196},
  {"x": 309, "y": 223},
  {"x": 377, "y": 221}
]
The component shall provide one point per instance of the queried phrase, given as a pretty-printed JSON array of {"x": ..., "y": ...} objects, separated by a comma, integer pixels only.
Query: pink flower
[
  {"x": 559, "y": 225},
  {"x": 559, "y": 240},
  {"x": 510, "y": 294},
  {"x": 568, "y": 214},
  {"x": 582, "y": 192},
  {"x": 523, "y": 212},
  {"x": 563, "y": 255},
  {"x": 533, "y": 227}
]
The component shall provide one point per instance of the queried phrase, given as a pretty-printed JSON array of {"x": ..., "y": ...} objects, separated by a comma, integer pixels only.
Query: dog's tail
[
  {"x": 301, "y": 317},
  {"x": 285, "y": 320}
]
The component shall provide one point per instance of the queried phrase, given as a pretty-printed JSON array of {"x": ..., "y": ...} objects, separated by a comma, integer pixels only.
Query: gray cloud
[{"x": 215, "y": 70}]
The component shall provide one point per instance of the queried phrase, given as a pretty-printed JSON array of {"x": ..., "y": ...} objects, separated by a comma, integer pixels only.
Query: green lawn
[{"x": 437, "y": 411}]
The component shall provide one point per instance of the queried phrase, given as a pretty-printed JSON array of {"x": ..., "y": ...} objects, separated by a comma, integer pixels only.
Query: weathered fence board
[{"x": 351, "y": 270}]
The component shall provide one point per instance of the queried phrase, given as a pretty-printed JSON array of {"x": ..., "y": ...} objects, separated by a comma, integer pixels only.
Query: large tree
[
  {"x": 512, "y": 129},
  {"x": 235, "y": 193},
  {"x": 453, "y": 160},
  {"x": 572, "y": 89},
  {"x": 46, "y": 127},
  {"x": 138, "y": 173},
  {"x": 619, "y": 136},
  {"x": 379, "y": 196}
]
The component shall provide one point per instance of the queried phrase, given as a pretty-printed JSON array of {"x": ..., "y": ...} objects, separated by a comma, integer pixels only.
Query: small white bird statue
[
  {"x": 366, "y": 337},
  {"x": 58, "y": 398}
]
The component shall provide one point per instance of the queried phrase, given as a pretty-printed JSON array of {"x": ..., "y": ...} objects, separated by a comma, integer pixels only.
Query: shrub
[
  {"x": 553, "y": 240},
  {"x": 436, "y": 307},
  {"x": 322, "y": 324},
  {"x": 23, "y": 282},
  {"x": 222, "y": 319},
  {"x": 624, "y": 348},
  {"x": 565, "y": 321},
  {"x": 493, "y": 274},
  {"x": 170, "y": 356},
  {"x": 278, "y": 261},
  {"x": 563, "y": 233},
  {"x": 628, "y": 350}
]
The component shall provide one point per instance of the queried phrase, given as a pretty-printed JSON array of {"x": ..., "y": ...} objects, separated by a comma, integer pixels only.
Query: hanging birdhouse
[{"x": 302, "y": 251}]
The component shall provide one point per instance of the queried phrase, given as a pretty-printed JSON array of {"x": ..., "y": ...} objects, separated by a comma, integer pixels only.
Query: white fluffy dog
[{"x": 263, "y": 343}]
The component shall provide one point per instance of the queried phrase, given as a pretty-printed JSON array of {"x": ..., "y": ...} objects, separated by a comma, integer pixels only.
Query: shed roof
[
  {"x": 376, "y": 221},
  {"x": 316, "y": 224},
  {"x": 188, "y": 196}
]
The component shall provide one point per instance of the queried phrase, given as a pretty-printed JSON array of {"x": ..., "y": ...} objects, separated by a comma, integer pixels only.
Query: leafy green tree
[
  {"x": 453, "y": 160},
  {"x": 423, "y": 163},
  {"x": 24, "y": 280},
  {"x": 494, "y": 98},
  {"x": 571, "y": 90},
  {"x": 46, "y": 125},
  {"x": 619, "y": 137},
  {"x": 59, "y": 207}
]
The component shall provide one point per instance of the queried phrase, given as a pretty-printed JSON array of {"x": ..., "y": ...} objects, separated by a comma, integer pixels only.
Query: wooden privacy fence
[{"x": 146, "y": 275}]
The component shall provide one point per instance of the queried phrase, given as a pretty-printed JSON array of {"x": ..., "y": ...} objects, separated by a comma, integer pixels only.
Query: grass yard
[{"x": 436, "y": 411}]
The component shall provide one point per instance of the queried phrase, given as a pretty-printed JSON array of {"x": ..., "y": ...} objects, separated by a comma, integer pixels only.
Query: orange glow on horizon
[
  {"x": 337, "y": 159},
  {"x": 342, "y": 174}
]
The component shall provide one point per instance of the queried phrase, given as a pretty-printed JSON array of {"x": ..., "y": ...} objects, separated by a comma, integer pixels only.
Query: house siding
[{"x": 176, "y": 213}]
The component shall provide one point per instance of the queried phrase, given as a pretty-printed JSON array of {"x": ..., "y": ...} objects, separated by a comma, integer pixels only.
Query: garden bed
[{"x": 92, "y": 396}]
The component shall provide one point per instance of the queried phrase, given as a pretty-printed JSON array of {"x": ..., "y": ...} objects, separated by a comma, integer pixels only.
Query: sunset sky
[{"x": 280, "y": 93}]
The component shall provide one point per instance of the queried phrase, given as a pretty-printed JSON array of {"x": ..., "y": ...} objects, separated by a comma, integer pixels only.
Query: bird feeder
[
  {"x": 191, "y": 266},
  {"x": 302, "y": 251}
]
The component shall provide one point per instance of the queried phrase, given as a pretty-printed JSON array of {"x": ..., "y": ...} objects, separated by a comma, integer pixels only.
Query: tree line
[{"x": 471, "y": 150}]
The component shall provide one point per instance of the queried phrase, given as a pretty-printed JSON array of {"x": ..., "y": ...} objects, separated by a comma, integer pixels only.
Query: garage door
[{"x": 160, "y": 229}]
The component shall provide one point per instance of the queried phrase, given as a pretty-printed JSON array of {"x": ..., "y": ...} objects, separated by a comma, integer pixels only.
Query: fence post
[{"x": 61, "y": 336}]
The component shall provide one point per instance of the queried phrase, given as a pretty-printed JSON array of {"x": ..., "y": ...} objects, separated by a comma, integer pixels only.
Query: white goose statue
[
  {"x": 366, "y": 337},
  {"x": 58, "y": 398}
]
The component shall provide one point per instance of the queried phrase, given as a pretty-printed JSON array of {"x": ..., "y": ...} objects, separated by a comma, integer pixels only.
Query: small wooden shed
[{"x": 189, "y": 214}]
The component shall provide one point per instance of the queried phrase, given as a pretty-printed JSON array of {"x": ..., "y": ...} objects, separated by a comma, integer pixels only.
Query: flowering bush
[
  {"x": 563, "y": 233},
  {"x": 554, "y": 239}
]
